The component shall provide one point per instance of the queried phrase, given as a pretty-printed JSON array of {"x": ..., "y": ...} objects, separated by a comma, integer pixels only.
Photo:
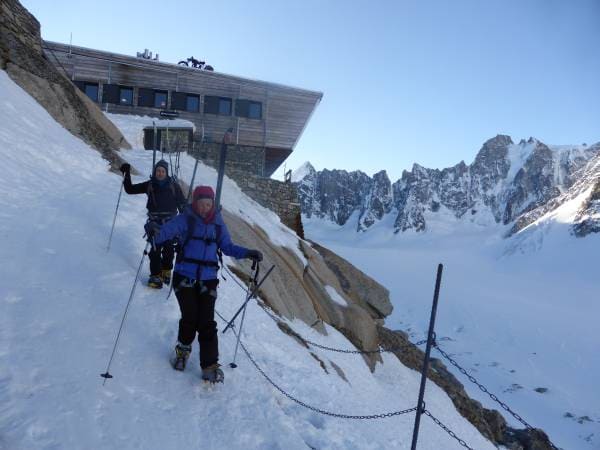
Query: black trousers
[
  {"x": 197, "y": 306},
  {"x": 161, "y": 258}
]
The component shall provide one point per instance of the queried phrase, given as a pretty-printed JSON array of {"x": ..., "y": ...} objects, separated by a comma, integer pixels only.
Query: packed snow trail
[{"x": 62, "y": 297}]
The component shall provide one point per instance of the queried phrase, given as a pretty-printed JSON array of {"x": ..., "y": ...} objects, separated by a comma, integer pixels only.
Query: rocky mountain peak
[{"x": 504, "y": 182}]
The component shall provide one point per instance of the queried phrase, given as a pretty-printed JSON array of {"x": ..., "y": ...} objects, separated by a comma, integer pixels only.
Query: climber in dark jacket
[
  {"x": 201, "y": 232},
  {"x": 165, "y": 198}
]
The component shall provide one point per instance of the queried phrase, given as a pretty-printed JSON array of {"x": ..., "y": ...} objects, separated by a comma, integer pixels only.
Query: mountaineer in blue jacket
[{"x": 201, "y": 232}]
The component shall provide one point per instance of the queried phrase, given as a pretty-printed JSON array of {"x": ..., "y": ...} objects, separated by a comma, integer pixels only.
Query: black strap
[
  {"x": 201, "y": 262},
  {"x": 205, "y": 239}
]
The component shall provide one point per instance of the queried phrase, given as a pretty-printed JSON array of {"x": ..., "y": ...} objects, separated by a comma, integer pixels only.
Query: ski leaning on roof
[
  {"x": 165, "y": 199},
  {"x": 201, "y": 232}
]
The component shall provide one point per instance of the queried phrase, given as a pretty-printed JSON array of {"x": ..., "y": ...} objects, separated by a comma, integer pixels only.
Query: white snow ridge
[{"x": 62, "y": 297}]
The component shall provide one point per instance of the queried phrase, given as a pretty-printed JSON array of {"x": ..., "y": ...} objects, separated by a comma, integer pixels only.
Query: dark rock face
[
  {"x": 534, "y": 180},
  {"x": 588, "y": 218},
  {"x": 22, "y": 57},
  {"x": 378, "y": 201},
  {"x": 505, "y": 183},
  {"x": 584, "y": 176}
]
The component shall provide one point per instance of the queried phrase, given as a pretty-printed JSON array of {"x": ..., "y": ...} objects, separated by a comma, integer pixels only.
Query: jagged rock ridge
[{"x": 505, "y": 182}]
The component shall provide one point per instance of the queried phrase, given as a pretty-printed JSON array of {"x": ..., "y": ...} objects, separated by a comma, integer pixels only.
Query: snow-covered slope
[{"x": 62, "y": 297}]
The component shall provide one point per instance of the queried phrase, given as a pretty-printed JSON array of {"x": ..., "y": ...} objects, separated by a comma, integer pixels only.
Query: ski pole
[
  {"x": 115, "y": 218},
  {"x": 253, "y": 281},
  {"x": 107, "y": 374},
  {"x": 254, "y": 291}
]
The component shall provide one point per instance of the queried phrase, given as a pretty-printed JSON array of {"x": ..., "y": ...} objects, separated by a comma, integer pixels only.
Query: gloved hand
[
  {"x": 125, "y": 168},
  {"x": 152, "y": 229},
  {"x": 255, "y": 255}
]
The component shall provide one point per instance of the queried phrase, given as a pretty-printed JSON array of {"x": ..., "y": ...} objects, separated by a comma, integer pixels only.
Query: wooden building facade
[{"x": 267, "y": 118}]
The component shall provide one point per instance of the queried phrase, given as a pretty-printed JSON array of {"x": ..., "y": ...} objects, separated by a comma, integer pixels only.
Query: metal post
[
  {"x": 154, "y": 148},
  {"x": 224, "y": 144},
  {"x": 430, "y": 340},
  {"x": 192, "y": 182}
]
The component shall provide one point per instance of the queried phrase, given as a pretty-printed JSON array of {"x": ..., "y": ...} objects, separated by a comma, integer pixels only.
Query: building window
[
  {"x": 125, "y": 95},
  {"x": 217, "y": 105},
  {"x": 248, "y": 108},
  {"x": 160, "y": 99},
  {"x": 88, "y": 88},
  {"x": 255, "y": 110},
  {"x": 91, "y": 90},
  {"x": 192, "y": 103},
  {"x": 182, "y": 101},
  {"x": 225, "y": 106}
]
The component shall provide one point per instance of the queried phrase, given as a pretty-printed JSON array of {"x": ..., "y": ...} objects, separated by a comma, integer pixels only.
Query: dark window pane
[
  {"x": 91, "y": 90},
  {"x": 160, "y": 99},
  {"x": 211, "y": 104},
  {"x": 178, "y": 101},
  {"x": 241, "y": 108},
  {"x": 126, "y": 96},
  {"x": 255, "y": 110},
  {"x": 110, "y": 94},
  {"x": 225, "y": 106},
  {"x": 80, "y": 85},
  {"x": 192, "y": 103},
  {"x": 146, "y": 97}
]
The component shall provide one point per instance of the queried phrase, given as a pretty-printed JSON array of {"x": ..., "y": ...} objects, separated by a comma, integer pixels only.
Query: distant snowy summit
[{"x": 508, "y": 184}]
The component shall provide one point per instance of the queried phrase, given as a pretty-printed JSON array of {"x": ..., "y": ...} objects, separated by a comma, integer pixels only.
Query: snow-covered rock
[{"x": 504, "y": 182}]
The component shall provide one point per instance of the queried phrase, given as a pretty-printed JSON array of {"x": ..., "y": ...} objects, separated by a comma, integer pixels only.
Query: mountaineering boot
[
  {"x": 165, "y": 274},
  {"x": 213, "y": 374},
  {"x": 180, "y": 356},
  {"x": 155, "y": 282}
]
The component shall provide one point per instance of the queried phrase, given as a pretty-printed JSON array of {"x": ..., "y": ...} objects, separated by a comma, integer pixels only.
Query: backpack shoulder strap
[{"x": 191, "y": 225}]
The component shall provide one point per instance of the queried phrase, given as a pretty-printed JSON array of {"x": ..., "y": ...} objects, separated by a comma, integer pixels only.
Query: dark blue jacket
[{"x": 202, "y": 246}]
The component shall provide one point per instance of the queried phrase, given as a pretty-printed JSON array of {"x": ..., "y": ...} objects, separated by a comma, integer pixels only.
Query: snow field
[{"x": 62, "y": 297}]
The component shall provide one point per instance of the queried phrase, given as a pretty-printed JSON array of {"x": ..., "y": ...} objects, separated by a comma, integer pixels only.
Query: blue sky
[{"x": 403, "y": 82}]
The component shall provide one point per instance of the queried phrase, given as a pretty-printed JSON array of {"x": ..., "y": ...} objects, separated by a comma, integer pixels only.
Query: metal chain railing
[
  {"x": 473, "y": 380},
  {"x": 447, "y": 430},
  {"x": 364, "y": 352},
  {"x": 306, "y": 405},
  {"x": 332, "y": 349},
  {"x": 381, "y": 350}
]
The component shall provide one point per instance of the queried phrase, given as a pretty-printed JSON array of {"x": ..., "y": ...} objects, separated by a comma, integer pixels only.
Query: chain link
[
  {"x": 363, "y": 352},
  {"x": 332, "y": 349},
  {"x": 447, "y": 430},
  {"x": 306, "y": 405},
  {"x": 481, "y": 387},
  {"x": 380, "y": 350}
]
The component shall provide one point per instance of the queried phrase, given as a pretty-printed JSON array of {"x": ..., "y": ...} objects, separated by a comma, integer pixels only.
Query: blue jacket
[{"x": 202, "y": 246}]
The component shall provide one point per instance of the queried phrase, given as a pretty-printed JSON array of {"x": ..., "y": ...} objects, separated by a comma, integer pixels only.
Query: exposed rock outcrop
[
  {"x": 22, "y": 57},
  {"x": 302, "y": 289}
]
